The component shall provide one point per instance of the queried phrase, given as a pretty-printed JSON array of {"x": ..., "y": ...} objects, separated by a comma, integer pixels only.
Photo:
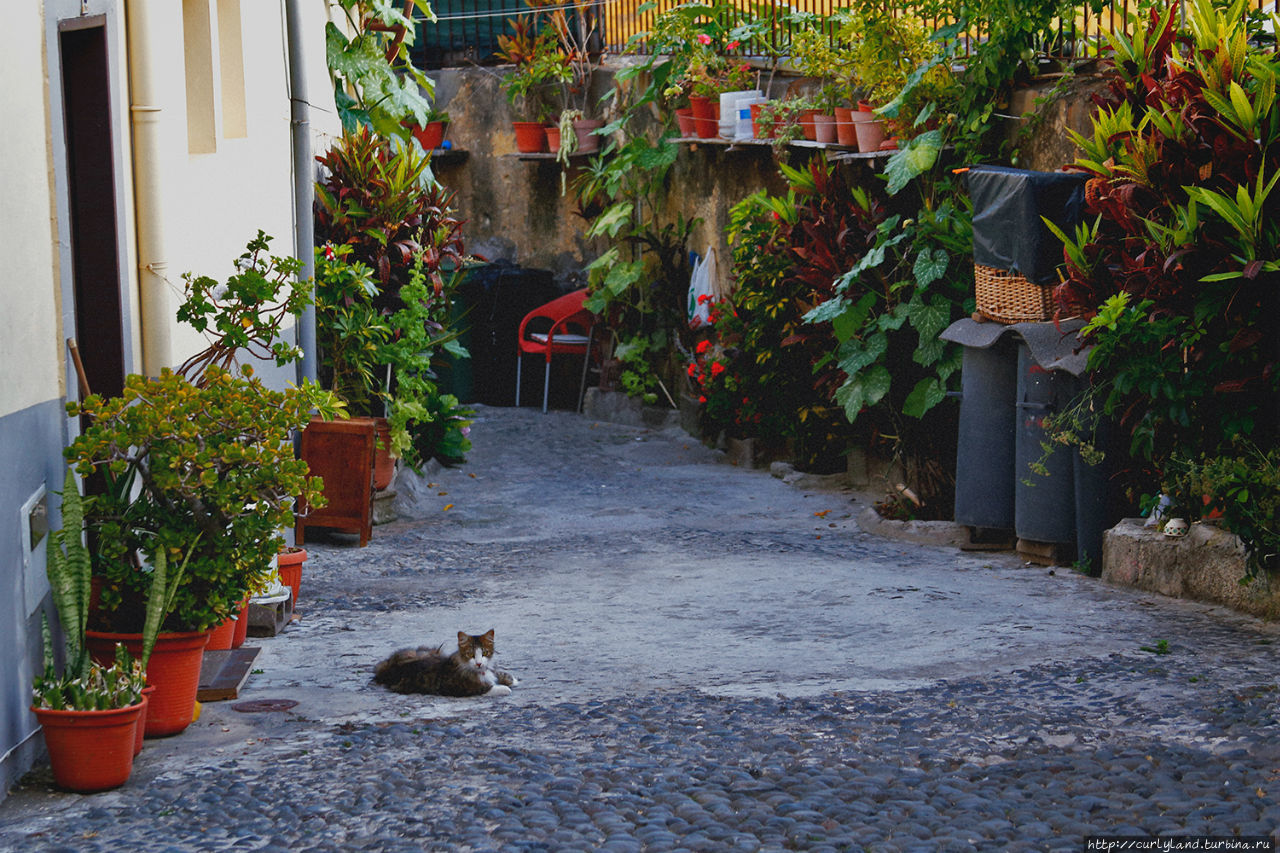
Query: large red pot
[
  {"x": 706, "y": 116},
  {"x": 90, "y": 750},
  {"x": 530, "y": 137},
  {"x": 174, "y": 669}
]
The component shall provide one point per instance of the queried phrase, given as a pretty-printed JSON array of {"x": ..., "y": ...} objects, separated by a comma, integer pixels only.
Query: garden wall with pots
[{"x": 514, "y": 209}]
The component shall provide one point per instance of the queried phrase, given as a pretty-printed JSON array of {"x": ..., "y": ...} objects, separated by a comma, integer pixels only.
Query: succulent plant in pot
[{"x": 91, "y": 710}]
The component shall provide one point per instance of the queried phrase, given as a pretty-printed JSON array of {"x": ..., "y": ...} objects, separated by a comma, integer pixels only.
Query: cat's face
[{"x": 476, "y": 651}]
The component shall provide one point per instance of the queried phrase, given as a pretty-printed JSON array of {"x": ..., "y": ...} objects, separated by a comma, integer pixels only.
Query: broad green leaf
[
  {"x": 931, "y": 265},
  {"x": 927, "y": 394},
  {"x": 915, "y": 159},
  {"x": 611, "y": 221}
]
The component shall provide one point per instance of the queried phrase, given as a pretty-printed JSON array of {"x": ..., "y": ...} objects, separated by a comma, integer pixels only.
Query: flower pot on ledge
[{"x": 531, "y": 138}]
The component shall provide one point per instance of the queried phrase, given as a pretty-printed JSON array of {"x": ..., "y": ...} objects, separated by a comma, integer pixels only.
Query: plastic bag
[{"x": 702, "y": 290}]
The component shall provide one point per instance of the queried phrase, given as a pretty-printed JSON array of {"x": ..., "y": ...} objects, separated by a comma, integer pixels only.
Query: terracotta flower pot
[
  {"x": 431, "y": 136},
  {"x": 684, "y": 121},
  {"x": 756, "y": 130},
  {"x": 824, "y": 129},
  {"x": 846, "y": 134},
  {"x": 870, "y": 135},
  {"x": 585, "y": 131},
  {"x": 242, "y": 626},
  {"x": 807, "y": 125},
  {"x": 706, "y": 116},
  {"x": 90, "y": 750},
  {"x": 174, "y": 670},
  {"x": 289, "y": 563},
  {"x": 553, "y": 137},
  {"x": 530, "y": 137}
]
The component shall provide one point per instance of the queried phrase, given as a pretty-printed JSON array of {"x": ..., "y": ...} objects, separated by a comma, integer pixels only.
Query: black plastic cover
[{"x": 1008, "y": 233}]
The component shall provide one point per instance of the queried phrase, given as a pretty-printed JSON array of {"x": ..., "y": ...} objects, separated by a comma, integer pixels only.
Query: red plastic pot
[
  {"x": 706, "y": 116},
  {"x": 289, "y": 563},
  {"x": 431, "y": 136},
  {"x": 684, "y": 121},
  {"x": 174, "y": 670},
  {"x": 530, "y": 137},
  {"x": 90, "y": 750},
  {"x": 231, "y": 633},
  {"x": 140, "y": 728},
  {"x": 242, "y": 626}
]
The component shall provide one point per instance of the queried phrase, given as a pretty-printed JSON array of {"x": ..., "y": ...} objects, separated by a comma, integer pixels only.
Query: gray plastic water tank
[{"x": 985, "y": 449}]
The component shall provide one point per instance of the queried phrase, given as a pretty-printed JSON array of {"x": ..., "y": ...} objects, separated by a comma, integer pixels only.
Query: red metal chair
[{"x": 561, "y": 327}]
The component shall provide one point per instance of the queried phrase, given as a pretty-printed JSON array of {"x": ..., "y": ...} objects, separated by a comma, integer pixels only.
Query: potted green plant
[
  {"x": 538, "y": 68},
  {"x": 207, "y": 451},
  {"x": 92, "y": 712},
  {"x": 430, "y": 131}
]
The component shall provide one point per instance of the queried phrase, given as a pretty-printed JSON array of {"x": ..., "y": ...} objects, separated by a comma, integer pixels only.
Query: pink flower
[
  {"x": 704, "y": 39},
  {"x": 733, "y": 45}
]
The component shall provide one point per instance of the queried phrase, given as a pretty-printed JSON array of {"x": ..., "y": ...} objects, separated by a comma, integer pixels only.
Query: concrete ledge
[
  {"x": 941, "y": 533},
  {"x": 1208, "y": 564},
  {"x": 617, "y": 408}
]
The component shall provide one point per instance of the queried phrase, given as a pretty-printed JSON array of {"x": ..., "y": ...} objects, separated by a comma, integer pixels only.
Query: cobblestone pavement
[{"x": 710, "y": 660}]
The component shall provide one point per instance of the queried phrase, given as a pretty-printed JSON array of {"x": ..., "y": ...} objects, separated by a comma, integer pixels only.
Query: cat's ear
[
  {"x": 486, "y": 642},
  {"x": 464, "y": 640}
]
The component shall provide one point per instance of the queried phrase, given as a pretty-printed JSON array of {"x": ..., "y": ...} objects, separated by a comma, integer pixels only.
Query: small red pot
[
  {"x": 90, "y": 750},
  {"x": 289, "y": 563},
  {"x": 684, "y": 121},
  {"x": 431, "y": 136}
]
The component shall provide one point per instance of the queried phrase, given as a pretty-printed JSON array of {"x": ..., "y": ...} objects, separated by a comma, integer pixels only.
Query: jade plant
[{"x": 212, "y": 468}]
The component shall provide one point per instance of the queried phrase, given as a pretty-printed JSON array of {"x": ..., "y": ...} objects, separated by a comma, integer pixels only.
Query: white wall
[{"x": 29, "y": 330}]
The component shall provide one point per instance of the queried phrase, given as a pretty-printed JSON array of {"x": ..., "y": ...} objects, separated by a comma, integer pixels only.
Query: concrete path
[{"x": 710, "y": 659}]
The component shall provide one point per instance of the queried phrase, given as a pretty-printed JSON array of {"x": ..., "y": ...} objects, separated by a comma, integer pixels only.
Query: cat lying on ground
[{"x": 466, "y": 672}]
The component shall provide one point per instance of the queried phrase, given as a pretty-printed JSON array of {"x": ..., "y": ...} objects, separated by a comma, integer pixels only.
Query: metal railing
[{"x": 467, "y": 30}]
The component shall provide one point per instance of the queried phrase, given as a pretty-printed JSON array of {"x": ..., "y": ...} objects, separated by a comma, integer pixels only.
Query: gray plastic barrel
[
  {"x": 1044, "y": 507},
  {"x": 985, "y": 449},
  {"x": 1095, "y": 513}
]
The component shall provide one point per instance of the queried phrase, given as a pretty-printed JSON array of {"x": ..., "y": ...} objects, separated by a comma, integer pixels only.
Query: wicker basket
[{"x": 1009, "y": 298}]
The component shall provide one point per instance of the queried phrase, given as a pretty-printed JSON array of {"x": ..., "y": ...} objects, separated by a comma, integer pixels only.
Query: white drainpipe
[{"x": 148, "y": 157}]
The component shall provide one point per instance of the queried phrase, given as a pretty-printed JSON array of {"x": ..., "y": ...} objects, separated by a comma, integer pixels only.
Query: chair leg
[
  {"x": 546, "y": 385},
  {"x": 586, "y": 362},
  {"x": 519, "y": 365}
]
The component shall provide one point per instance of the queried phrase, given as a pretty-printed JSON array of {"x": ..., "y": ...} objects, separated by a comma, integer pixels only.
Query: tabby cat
[{"x": 426, "y": 669}]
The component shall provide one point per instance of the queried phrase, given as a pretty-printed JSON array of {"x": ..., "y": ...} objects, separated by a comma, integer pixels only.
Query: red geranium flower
[
  {"x": 702, "y": 346},
  {"x": 716, "y": 368}
]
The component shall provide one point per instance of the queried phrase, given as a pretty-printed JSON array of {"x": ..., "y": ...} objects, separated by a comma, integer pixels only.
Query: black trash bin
[
  {"x": 985, "y": 449},
  {"x": 495, "y": 298},
  {"x": 1044, "y": 506}
]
